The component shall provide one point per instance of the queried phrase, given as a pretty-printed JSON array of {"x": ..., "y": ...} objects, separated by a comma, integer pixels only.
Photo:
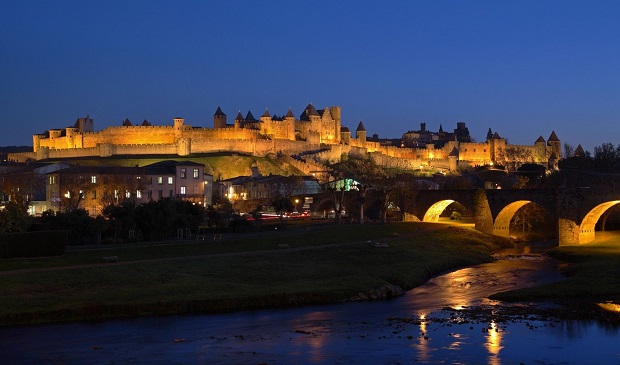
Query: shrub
[{"x": 33, "y": 244}]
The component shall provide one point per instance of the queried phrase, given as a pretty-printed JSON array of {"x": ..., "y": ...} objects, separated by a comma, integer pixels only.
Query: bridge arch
[
  {"x": 588, "y": 224},
  {"x": 433, "y": 213},
  {"x": 501, "y": 226}
]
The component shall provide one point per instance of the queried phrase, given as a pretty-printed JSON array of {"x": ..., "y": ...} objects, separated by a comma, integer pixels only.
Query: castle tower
[
  {"x": 497, "y": 144},
  {"x": 345, "y": 135},
  {"x": 541, "y": 150},
  {"x": 239, "y": 120},
  {"x": 335, "y": 111},
  {"x": 219, "y": 119},
  {"x": 266, "y": 122},
  {"x": 84, "y": 124},
  {"x": 310, "y": 114},
  {"x": 554, "y": 151},
  {"x": 360, "y": 134},
  {"x": 289, "y": 119},
  {"x": 178, "y": 127},
  {"x": 555, "y": 145}
]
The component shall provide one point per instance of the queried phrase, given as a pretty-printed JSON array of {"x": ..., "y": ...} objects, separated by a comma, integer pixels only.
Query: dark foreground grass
[
  {"x": 202, "y": 282},
  {"x": 593, "y": 274}
]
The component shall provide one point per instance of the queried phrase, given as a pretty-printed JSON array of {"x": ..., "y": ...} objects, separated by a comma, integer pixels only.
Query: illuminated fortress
[{"x": 316, "y": 136}]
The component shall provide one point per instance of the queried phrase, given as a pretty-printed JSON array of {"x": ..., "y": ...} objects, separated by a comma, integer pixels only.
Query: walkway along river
[{"x": 407, "y": 330}]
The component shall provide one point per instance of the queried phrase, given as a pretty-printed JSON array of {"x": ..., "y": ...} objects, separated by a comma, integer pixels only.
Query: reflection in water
[
  {"x": 610, "y": 307},
  {"x": 422, "y": 345},
  {"x": 494, "y": 343}
]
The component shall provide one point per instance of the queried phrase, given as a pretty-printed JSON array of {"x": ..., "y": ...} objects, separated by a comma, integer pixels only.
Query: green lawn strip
[
  {"x": 593, "y": 274},
  {"x": 211, "y": 284},
  {"x": 293, "y": 237}
]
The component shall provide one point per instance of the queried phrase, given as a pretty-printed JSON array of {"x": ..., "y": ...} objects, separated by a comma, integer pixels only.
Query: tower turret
[
  {"x": 360, "y": 134},
  {"x": 178, "y": 127},
  {"x": 219, "y": 119}
]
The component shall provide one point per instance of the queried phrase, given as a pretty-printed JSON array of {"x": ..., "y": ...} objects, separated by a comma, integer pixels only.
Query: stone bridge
[{"x": 575, "y": 211}]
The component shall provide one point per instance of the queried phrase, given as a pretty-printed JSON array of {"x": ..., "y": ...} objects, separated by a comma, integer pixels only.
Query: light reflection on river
[{"x": 362, "y": 332}]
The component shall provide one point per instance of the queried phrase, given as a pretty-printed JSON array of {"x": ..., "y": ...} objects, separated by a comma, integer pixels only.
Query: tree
[
  {"x": 73, "y": 188},
  {"x": 513, "y": 157},
  {"x": 569, "y": 150},
  {"x": 14, "y": 217},
  {"x": 282, "y": 192},
  {"x": 607, "y": 158}
]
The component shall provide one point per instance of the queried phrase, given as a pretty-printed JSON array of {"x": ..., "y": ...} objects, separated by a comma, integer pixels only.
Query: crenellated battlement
[{"x": 314, "y": 130}]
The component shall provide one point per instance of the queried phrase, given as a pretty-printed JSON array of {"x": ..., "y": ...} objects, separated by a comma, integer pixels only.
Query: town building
[{"x": 95, "y": 187}]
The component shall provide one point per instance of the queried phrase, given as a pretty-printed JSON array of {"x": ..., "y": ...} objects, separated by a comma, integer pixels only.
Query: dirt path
[{"x": 424, "y": 228}]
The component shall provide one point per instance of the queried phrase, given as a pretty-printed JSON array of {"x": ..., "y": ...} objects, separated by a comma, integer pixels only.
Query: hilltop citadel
[{"x": 314, "y": 138}]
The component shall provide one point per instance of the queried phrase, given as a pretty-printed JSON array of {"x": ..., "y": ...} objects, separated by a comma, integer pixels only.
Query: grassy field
[
  {"x": 324, "y": 265},
  {"x": 593, "y": 274}
]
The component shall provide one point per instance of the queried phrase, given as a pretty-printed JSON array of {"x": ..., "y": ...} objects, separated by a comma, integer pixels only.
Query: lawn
[{"x": 236, "y": 274}]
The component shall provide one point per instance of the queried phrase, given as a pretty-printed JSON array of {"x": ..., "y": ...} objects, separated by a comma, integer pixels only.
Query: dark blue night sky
[{"x": 522, "y": 68}]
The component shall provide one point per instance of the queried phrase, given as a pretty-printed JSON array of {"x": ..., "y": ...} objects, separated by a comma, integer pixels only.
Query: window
[
  {"x": 160, "y": 180},
  {"x": 149, "y": 194},
  {"x": 182, "y": 190},
  {"x": 138, "y": 194},
  {"x": 170, "y": 193},
  {"x": 160, "y": 194},
  {"x": 183, "y": 173},
  {"x": 115, "y": 194},
  {"x": 196, "y": 174},
  {"x": 93, "y": 179},
  {"x": 170, "y": 180},
  {"x": 52, "y": 179},
  {"x": 149, "y": 180},
  {"x": 127, "y": 194},
  {"x": 93, "y": 194}
]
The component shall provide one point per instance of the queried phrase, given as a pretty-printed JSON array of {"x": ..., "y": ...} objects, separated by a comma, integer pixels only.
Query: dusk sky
[{"x": 522, "y": 68}]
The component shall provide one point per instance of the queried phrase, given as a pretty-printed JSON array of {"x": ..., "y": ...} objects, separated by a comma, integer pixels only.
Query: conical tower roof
[
  {"x": 496, "y": 136},
  {"x": 360, "y": 127},
  {"x": 249, "y": 117},
  {"x": 239, "y": 116},
  {"x": 145, "y": 123},
  {"x": 219, "y": 112},
  {"x": 540, "y": 139},
  {"x": 289, "y": 114},
  {"x": 553, "y": 137},
  {"x": 579, "y": 152},
  {"x": 266, "y": 114},
  {"x": 127, "y": 123}
]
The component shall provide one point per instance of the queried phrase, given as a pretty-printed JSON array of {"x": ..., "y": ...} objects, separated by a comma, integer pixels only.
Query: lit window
[
  {"x": 196, "y": 174},
  {"x": 93, "y": 179},
  {"x": 138, "y": 194},
  {"x": 115, "y": 194},
  {"x": 160, "y": 180},
  {"x": 170, "y": 180},
  {"x": 182, "y": 190},
  {"x": 127, "y": 194}
]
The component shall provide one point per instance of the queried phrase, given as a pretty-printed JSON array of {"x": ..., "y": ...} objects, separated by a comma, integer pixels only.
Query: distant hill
[
  {"x": 220, "y": 165},
  {"x": 15, "y": 149}
]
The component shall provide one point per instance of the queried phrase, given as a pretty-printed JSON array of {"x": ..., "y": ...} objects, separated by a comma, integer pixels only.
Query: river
[{"x": 406, "y": 330}]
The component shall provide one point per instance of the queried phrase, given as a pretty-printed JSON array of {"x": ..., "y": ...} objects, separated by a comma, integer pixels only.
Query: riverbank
[
  {"x": 317, "y": 266},
  {"x": 592, "y": 276}
]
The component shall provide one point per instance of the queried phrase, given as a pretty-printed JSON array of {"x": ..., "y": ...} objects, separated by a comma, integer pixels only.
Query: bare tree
[{"x": 513, "y": 157}]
